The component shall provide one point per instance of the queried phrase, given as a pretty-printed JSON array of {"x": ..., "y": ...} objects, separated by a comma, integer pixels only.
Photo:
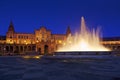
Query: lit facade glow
[
  {"x": 43, "y": 41},
  {"x": 29, "y": 57}
]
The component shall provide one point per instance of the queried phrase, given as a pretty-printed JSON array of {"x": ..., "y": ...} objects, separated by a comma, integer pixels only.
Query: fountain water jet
[{"x": 85, "y": 41}]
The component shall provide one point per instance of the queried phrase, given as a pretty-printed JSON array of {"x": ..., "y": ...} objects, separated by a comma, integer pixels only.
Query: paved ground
[{"x": 16, "y": 68}]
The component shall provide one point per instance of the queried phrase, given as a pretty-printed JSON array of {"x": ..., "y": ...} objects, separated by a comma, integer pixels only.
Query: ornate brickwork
[{"x": 42, "y": 41}]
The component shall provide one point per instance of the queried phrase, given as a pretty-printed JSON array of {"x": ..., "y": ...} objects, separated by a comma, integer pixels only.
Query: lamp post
[{"x": 4, "y": 51}]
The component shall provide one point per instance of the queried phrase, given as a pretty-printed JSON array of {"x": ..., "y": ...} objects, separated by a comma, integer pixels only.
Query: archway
[
  {"x": 33, "y": 48},
  {"x": 16, "y": 50},
  {"x": 39, "y": 50},
  {"x": 1, "y": 51},
  {"x": 25, "y": 48},
  {"x": 118, "y": 48},
  {"x": 46, "y": 49},
  {"x": 7, "y": 48},
  {"x": 114, "y": 48},
  {"x": 0, "y": 48},
  {"x": 29, "y": 48},
  {"x": 11, "y": 48},
  {"x": 21, "y": 48}
]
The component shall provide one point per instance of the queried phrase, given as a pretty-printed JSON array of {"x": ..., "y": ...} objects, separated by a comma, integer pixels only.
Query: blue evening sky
[{"x": 56, "y": 15}]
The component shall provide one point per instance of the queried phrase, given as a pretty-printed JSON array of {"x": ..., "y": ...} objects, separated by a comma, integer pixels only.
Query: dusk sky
[{"x": 56, "y": 15}]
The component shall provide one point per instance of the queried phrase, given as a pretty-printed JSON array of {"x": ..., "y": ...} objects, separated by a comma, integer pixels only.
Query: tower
[
  {"x": 10, "y": 33},
  {"x": 68, "y": 32},
  {"x": 11, "y": 27}
]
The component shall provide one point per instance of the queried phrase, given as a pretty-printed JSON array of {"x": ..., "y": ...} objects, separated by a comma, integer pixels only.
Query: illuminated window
[
  {"x": 60, "y": 41},
  {"x": 25, "y": 41},
  {"x": 64, "y": 44},
  {"x": 37, "y": 41}
]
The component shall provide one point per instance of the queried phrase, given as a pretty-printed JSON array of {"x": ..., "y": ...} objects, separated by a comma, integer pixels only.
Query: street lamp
[{"x": 4, "y": 50}]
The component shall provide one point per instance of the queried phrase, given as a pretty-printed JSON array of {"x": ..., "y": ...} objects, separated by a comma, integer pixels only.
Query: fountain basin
[
  {"x": 87, "y": 53},
  {"x": 83, "y": 55}
]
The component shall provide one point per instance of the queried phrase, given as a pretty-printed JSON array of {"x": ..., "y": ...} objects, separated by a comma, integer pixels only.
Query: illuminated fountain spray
[{"x": 85, "y": 41}]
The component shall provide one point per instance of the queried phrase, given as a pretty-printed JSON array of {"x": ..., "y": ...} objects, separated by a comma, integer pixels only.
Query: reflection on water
[{"x": 34, "y": 57}]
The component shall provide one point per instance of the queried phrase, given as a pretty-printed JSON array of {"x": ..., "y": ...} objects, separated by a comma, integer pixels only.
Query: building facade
[{"x": 42, "y": 41}]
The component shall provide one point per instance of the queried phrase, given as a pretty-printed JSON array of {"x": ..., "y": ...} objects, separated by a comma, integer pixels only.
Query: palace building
[{"x": 42, "y": 41}]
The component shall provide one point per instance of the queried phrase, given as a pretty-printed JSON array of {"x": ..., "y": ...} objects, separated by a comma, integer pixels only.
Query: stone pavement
[{"x": 13, "y": 68}]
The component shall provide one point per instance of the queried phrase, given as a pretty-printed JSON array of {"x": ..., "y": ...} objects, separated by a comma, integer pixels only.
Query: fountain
[
  {"x": 86, "y": 44},
  {"x": 85, "y": 41}
]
